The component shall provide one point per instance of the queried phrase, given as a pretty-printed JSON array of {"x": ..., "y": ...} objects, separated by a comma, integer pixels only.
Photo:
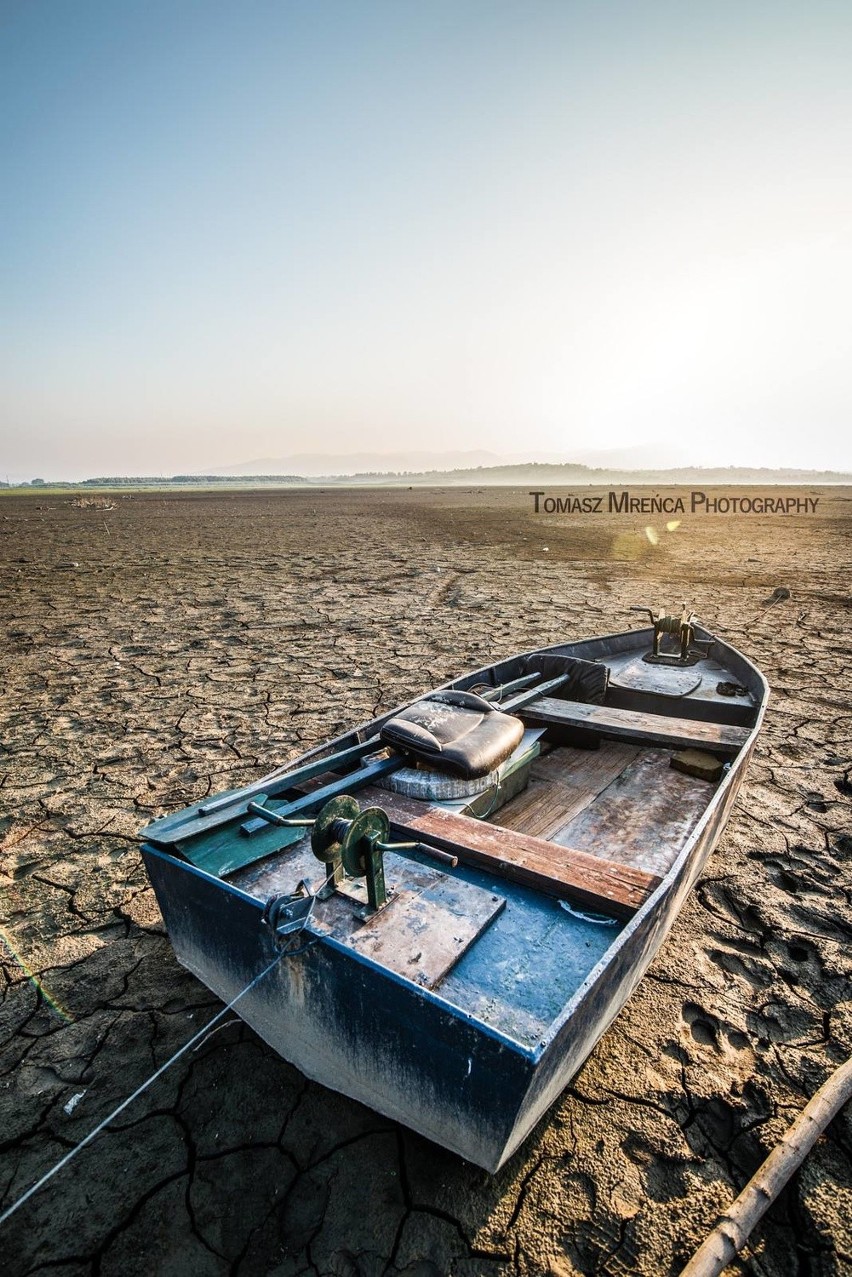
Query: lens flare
[
  {"x": 626, "y": 545},
  {"x": 672, "y": 525},
  {"x": 34, "y": 979},
  {"x": 653, "y": 535}
]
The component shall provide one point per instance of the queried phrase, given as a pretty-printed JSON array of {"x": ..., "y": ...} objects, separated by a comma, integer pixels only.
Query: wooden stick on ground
[{"x": 733, "y": 1229}]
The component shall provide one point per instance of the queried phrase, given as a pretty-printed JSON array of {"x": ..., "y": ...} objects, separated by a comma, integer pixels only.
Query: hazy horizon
[
  {"x": 459, "y": 467},
  {"x": 263, "y": 230}
]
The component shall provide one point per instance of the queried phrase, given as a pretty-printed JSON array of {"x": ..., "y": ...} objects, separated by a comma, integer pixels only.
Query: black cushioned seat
[{"x": 456, "y": 732}]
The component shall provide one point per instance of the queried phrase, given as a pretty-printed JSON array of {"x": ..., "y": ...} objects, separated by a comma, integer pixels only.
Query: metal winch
[
  {"x": 352, "y": 843},
  {"x": 681, "y": 628}
]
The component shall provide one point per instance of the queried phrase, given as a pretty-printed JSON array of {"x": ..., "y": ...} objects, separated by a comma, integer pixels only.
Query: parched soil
[{"x": 180, "y": 644}]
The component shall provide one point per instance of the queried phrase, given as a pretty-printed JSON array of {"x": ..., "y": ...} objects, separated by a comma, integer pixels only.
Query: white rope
[{"x": 144, "y": 1087}]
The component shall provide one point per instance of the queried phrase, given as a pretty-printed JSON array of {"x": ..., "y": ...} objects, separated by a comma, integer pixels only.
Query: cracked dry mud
[{"x": 180, "y": 644}]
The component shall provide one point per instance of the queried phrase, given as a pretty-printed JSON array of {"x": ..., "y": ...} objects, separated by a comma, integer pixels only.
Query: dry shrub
[{"x": 93, "y": 503}]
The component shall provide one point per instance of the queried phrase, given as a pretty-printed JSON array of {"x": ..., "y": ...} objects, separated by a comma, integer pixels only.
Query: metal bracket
[
  {"x": 287, "y": 914},
  {"x": 680, "y": 662},
  {"x": 355, "y": 892}
]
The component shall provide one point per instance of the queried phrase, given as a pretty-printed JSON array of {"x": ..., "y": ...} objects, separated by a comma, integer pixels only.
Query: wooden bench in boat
[
  {"x": 627, "y": 724},
  {"x": 565, "y": 872}
]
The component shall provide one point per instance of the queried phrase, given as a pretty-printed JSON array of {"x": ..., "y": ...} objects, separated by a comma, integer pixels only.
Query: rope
[
  {"x": 496, "y": 786},
  {"x": 72, "y": 1153}
]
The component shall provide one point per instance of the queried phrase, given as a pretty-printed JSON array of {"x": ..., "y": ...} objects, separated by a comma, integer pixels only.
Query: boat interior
[{"x": 525, "y": 814}]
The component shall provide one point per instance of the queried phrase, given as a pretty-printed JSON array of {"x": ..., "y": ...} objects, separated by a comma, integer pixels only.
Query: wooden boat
[{"x": 554, "y": 817}]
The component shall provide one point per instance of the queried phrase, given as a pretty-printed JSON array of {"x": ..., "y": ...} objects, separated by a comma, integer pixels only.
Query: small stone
[{"x": 696, "y": 762}]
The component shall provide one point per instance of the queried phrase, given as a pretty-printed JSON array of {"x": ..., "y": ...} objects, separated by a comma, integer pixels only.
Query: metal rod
[
  {"x": 542, "y": 689},
  {"x": 278, "y": 781},
  {"x": 435, "y": 853},
  {"x": 497, "y": 693},
  {"x": 273, "y": 818},
  {"x": 343, "y": 785}
]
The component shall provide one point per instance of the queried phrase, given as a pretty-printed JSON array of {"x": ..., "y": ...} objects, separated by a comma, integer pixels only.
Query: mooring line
[{"x": 93, "y": 1134}]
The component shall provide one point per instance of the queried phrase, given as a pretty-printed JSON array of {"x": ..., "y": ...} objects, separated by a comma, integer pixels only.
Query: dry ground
[{"x": 178, "y": 643}]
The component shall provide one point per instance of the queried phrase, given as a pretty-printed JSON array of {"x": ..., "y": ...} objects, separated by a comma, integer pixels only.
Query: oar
[
  {"x": 497, "y": 693},
  {"x": 276, "y": 782},
  {"x": 208, "y": 814},
  {"x": 279, "y": 781}
]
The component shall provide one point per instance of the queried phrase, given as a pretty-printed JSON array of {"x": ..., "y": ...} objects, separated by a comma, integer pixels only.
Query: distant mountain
[
  {"x": 645, "y": 456},
  {"x": 317, "y": 464},
  {"x": 577, "y": 475},
  {"x": 313, "y": 465}
]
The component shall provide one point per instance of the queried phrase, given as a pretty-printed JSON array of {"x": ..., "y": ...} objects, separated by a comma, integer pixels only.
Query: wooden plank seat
[
  {"x": 631, "y": 725},
  {"x": 590, "y": 880}
]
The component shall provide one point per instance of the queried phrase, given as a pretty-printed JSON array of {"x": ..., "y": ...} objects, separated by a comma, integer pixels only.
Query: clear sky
[{"x": 257, "y": 228}]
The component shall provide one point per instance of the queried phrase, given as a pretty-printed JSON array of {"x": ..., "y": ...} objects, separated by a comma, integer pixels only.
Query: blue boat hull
[
  {"x": 346, "y": 1023},
  {"x": 406, "y": 1051}
]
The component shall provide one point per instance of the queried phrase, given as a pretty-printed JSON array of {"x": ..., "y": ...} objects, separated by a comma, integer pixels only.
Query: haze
[{"x": 260, "y": 229}]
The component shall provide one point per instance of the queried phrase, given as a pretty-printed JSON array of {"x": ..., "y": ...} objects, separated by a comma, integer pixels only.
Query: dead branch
[{"x": 735, "y": 1226}]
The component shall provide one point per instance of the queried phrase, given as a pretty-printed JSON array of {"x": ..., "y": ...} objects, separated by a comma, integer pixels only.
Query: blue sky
[{"x": 256, "y": 229}]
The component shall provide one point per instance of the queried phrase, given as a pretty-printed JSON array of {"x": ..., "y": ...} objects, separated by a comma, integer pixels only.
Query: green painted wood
[
  {"x": 230, "y": 846},
  {"x": 222, "y": 851}
]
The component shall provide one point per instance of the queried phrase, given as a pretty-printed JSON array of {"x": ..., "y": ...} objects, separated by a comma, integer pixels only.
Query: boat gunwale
[
  {"x": 371, "y": 725},
  {"x": 672, "y": 875},
  {"x": 326, "y": 748},
  {"x": 361, "y": 732}
]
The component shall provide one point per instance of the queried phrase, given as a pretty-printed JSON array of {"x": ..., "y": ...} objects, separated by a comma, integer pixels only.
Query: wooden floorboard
[
  {"x": 619, "y": 800},
  {"x": 431, "y": 921},
  {"x": 562, "y": 784},
  {"x": 644, "y": 817}
]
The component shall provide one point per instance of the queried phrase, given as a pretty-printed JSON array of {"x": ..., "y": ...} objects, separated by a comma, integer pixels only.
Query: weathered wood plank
[
  {"x": 563, "y": 783},
  {"x": 644, "y": 817},
  {"x": 222, "y": 851},
  {"x": 424, "y": 931},
  {"x": 557, "y": 870},
  {"x": 626, "y": 724},
  {"x": 430, "y": 923},
  {"x": 539, "y": 810}
]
